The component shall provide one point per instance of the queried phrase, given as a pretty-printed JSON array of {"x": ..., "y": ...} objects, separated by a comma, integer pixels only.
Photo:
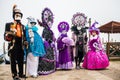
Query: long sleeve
[
  {"x": 7, "y": 36},
  {"x": 60, "y": 44},
  {"x": 24, "y": 32},
  {"x": 47, "y": 35}
]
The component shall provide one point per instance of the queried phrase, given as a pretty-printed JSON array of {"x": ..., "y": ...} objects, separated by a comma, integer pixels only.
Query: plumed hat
[
  {"x": 16, "y": 11},
  {"x": 93, "y": 28},
  {"x": 31, "y": 19},
  {"x": 63, "y": 26}
]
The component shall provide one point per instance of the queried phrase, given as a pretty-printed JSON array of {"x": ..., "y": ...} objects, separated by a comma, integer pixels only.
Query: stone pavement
[{"x": 111, "y": 73}]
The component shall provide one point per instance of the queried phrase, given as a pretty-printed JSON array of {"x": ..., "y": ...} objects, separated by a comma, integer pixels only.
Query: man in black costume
[
  {"x": 80, "y": 42},
  {"x": 14, "y": 34},
  {"x": 79, "y": 36}
]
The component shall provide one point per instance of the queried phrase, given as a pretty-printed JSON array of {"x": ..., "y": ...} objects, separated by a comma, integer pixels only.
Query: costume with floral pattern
[
  {"x": 47, "y": 62},
  {"x": 96, "y": 57}
]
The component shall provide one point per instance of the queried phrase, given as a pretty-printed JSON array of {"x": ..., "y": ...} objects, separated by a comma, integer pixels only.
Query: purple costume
[{"x": 65, "y": 61}]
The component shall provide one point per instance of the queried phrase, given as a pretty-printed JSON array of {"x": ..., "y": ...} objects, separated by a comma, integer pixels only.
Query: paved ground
[{"x": 111, "y": 73}]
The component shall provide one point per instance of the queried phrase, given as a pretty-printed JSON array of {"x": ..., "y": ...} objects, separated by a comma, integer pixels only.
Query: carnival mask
[
  {"x": 47, "y": 17},
  {"x": 31, "y": 21},
  {"x": 79, "y": 19},
  {"x": 18, "y": 17}
]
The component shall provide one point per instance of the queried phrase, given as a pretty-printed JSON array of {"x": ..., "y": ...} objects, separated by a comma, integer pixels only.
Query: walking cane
[{"x": 26, "y": 48}]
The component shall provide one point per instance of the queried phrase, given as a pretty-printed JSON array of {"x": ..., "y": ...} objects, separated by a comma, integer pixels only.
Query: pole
[
  {"x": 108, "y": 44},
  {"x": 26, "y": 48},
  {"x": 89, "y": 35},
  {"x": 89, "y": 26}
]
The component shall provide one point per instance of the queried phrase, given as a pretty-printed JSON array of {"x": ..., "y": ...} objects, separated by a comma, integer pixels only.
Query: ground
[{"x": 110, "y": 73}]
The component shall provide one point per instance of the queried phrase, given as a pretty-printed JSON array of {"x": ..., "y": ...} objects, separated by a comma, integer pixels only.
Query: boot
[{"x": 77, "y": 64}]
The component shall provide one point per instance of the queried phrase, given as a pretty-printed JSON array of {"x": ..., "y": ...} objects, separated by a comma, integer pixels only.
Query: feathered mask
[{"x": 31, "y": 20}]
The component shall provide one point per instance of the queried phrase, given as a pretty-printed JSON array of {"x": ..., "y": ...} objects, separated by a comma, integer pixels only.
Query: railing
[{"x": 113, "y": 49}]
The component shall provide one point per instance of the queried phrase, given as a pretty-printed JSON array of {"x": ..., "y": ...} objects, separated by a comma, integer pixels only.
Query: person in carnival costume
[
  {"x": 96, "y": 57},
  {"x": 63, "y": 45},
  {"x": 79, "y": 35},
  {"x": 47, "y": 62},
  {"x": 35, "y": 47},
  {"x": 15, "y": 35}
]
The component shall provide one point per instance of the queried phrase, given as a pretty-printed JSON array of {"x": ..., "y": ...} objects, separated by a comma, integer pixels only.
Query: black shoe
[
  {"x": 16, "y": 78},
  {"x": 22, "y": 76},
  {"x": 77, "y": 67}
]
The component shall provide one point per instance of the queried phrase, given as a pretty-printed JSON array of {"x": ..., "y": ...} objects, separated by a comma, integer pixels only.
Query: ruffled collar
[
  {"x": 34, "y": 28},
  {"x": 93, "y": 37}
]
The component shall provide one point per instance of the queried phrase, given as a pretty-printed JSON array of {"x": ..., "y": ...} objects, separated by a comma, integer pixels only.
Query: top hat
[{"x": 16, "y": 11}]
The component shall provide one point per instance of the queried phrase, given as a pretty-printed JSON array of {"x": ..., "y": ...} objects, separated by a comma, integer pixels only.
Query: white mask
[{"x": 18, "y": 17}]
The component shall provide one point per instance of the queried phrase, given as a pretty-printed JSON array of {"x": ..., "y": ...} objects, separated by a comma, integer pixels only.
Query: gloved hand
[
  {"x": 26, "y": 44},
  {"x": 52, "y": 44}
]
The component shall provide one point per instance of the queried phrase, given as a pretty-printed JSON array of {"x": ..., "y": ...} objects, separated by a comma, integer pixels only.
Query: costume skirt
[{"x": 95, "y": 60}]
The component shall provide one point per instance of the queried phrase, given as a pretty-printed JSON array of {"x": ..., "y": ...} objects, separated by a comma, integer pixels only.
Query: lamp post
[{"x": 89, "y": 25}]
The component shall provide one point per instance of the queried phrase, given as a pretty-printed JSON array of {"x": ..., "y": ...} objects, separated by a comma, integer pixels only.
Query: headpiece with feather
[{"x": 16, "y": 11}]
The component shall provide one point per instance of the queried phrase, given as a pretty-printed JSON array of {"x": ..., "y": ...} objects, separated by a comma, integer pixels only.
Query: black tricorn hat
[{"x": 16, "y": 11}]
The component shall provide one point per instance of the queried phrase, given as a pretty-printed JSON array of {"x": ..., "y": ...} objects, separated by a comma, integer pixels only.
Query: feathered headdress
[
  {"x": 63, "y": 26},
  {"x": 79, "y": 19},
  {"x": 16, "y": 11}
]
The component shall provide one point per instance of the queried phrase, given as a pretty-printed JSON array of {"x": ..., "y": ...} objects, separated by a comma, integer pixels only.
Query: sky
[{"x": 102, "y": 11}]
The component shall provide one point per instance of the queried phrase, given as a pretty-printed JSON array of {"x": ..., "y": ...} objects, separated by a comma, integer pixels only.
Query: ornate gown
[
  {"x": 47, "y": 62},
  {"x": 65, "y": 61},
  {"x": 95, "y": 58}
]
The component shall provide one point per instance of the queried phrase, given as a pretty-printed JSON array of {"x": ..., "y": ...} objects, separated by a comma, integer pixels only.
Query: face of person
[
  {"x": 50, "y": 24},
  {"x": 48, "y": 18},
  {"x": 77, "y": 20},
  {"x": 18, "y": 17},
  {"x": 31, "y": 24},
  {"x": 64, "y": 32},
  {"x": 45, "y": 16},
  {"x": 93, "y": 33}
]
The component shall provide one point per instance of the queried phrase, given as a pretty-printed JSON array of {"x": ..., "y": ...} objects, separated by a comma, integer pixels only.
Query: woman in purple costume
[
  {"x": 96, "y": 57},
  {"x": 63, "y": 46}
]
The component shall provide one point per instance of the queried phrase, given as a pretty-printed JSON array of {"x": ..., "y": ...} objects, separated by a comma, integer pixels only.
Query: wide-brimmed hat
[
  {"x": 63, "y": 26},
  {"x": 93, "y": 28},
  {"x": 16, "y": 11}
]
